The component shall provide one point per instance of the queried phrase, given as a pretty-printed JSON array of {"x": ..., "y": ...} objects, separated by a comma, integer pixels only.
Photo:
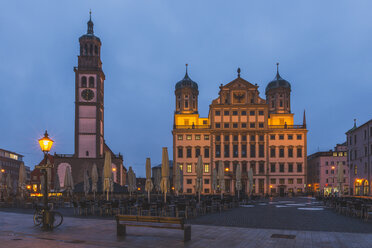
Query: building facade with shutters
[{"x": 241, "y": 128}]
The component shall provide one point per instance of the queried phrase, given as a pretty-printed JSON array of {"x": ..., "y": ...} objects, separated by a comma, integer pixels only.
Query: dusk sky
[{"x": 324, "y": 49}]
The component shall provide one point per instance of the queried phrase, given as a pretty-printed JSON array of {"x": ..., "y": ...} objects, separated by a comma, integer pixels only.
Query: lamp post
[{"x": 45, "y": 145}]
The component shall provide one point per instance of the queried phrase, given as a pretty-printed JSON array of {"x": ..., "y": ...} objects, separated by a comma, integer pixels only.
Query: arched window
[
  {"x": 91, "y": 49},
  {"x": 84, "y": 82},
  {"x": 81, "y": 50},
  {"x": 85, "y": 49},
  {"x": 87, "y": 153},
  {"x": 91, "y": 82},
  {"x": 96, "y": 50}
]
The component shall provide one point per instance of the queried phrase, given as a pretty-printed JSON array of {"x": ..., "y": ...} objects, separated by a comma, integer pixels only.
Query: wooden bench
[{"x": 154, "y": 222}]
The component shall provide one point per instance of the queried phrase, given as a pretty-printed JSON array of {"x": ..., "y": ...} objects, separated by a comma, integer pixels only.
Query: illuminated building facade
[
  {"x": 241, "y": 128},
  {"x": 90, "y": 145},
  {"x": 359, "y": 142},
  {"x": 322, "y": 171}
]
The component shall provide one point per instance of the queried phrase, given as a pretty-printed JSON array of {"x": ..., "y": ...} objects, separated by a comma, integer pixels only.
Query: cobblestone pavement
[
  {"x": 17, "y": 230},
  {"x": 305, "y": 214}
]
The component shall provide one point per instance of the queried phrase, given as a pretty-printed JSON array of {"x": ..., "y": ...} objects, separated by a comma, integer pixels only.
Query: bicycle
[{"x": 39, "y": 213}]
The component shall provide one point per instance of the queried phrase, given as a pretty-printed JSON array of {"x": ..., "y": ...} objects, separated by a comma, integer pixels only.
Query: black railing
[
  {"x": 192, "y": 126},
  {"x": 287, "y": 126}
]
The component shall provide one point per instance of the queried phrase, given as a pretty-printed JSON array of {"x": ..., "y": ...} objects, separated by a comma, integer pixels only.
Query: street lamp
[{"x": 45, "y": 145}]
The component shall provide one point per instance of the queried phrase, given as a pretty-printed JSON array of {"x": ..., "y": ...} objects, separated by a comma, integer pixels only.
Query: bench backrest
[{"x": 154, "y": 219}]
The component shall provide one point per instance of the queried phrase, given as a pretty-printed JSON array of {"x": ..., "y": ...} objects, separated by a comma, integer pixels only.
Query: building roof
[
  {"x": 278, "y": 82},
  {"x": 186, "y": 82},
  {"x": 19, "y": 155},
  {"x": 90, "y": 31},
  {"x": 159, "y": 165}
]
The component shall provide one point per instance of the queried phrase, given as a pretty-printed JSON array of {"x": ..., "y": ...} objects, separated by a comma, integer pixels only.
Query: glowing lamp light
[
  {"x": 113, "y": 169},
  {"x": 138, "y": 189},
  {"x": 28, "y": 186},
  {"x": 45, "y": 143},
  {"x": 309, "y": 185},
  {"x": 333, "y": 167},
  {"x": 2, "y": 170},
  {"x": 172, "y": 188},
  {"x": 271, "y": 186},
  {"x": 226, "y": 169}
]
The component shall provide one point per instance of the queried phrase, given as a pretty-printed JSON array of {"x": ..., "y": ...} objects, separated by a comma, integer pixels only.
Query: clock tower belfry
[{"x": 89, "y": 92}]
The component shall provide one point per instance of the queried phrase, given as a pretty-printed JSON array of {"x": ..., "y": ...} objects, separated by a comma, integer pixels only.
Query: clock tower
[{"x": 89, "y": 92}]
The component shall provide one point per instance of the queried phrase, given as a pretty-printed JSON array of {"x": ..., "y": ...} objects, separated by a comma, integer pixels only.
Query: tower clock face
[{"x": 87, "y": 94}]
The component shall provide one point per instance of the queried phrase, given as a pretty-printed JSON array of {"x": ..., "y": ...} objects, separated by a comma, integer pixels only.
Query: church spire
[
  {"x": 304, "y": 120},
  {"x": 90, "y": 24}
]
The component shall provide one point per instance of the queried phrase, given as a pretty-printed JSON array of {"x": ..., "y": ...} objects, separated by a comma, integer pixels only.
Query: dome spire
[
  {"x": 90, "y": 23},
  {"x": 238, "y": 71},
  {"x": 277, "y": 70},
  {"x": 186, "y": 69}
]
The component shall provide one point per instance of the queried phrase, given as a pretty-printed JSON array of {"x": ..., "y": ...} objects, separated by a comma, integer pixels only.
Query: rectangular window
[
  {"x": 281, "y": 167},
  {"x": 206, "y": 190},
  {"x": 180, "y": 152},
  {"x": 272, "y": 181},
  {"x": 218, "y": 138},
  {"x": 253, "y": 137},
  {"x": 281, "y": 137},
  {"x": 218, "y": 125},
  {"x": 206, "y": 168},
  {"x": 253, "y": 166},
  {"x": 272, "y": 137},
  {"x": 180, "y": 137},
  {"x": 299, "y": 180},
  {"x": 299, "y": 136},
  {"x": 235, "y": 137},
  {"x": 261, "y": 112},
  {"x": 235, "y": 151},
  {"x": 290, "y": 137},
  {"x": 253, "y": 151},
  {"x": 226, "y": 125},
  {"x": 261, "y": 168},
  {"x": 189, "y": 168},
  {"x": 226, "y": 112},
  {"x": 299, "y": 152},
  {"x": 244, "y": 137},
  {"x": 272, "y": 167},
  {"x": 244, "y": 151},
  {"x": 226, "y": 137},
  {"x": 206, "y": 152},
  {"x": 272, "y": 152},
  {"x": 290, "y": 152},
  {"x": 180, "y": 166},
  {"x": 290, "y": 167},
  {"x": 188, "y": 181},
  {"x": 226, "y": 151},
  {"x": 261, "y": 138},
  {"x": 206, "y": 137},
  {"x": 188, "y": 152},
  {"x": 244, "y": 125},
  {"x": 235, "y": 125},
  {"x": 189, "y": 191},
  {"x": 261, "y": 151},
  {"x": 252, "y": 125},
  {"x": 244, "y": 112},
  {"x": 197, "y": 152},
  {"x": 290, "y": 180},
  {"x": 281, "y": 181},
  {"x": 218, "y": 151},
  {"x": 218, "y": 113},
  {"x": 326, "y": 171},
  {"x": 197, "y": 136},
  {"x": 235, "y": 113},
  {"x": 189, "y": 137},
  {"x": 299, "y": 167},
  {"x": 260, "y": 124},
  {"x": 206, "y": 181},
  {"x": 251, "y": 112},
  {"x": 281, "y": 152}
]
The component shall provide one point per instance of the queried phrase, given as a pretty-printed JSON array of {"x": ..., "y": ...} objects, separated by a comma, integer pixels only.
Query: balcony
[
  {"x": 287, "y": 126},
  {"x": 191, "y": 126}
]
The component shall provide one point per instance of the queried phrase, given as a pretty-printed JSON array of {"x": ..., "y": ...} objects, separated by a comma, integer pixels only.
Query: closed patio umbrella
[
  {"x": 340, "y": 176},
  {"x": 221, "y": 177},
  {"x": 157, "y": 179},
  {"x": 238, "y": 179},
  {"x": 94, "y": 180},
  {"x": 107, "y": 174},
  {"x": 130, "y": 180},
  {"x": 177, "y": 178},
  {"x": 149, "y": 185},
  {"x": 199, "y": 176},
  {"x": 164, "y": 173},
  {"x": 21, "y": 179},
  {"x": 57, "y": 184},
  {"x": 214, "y": 180},
  {"x": 86, "y": 183},
  {"x": 250, "y": 181},
  {"x": 68, "y": 182}
]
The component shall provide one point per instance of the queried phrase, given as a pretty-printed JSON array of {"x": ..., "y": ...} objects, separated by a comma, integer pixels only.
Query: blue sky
[{"x": 324, "y": 49}]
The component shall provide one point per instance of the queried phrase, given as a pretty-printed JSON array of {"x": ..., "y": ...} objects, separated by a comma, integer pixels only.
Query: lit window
[
  {"x": 197, "y": 137},
  {"x": 180, "y": 137},
  {"x": 206, "y": 168},
  {"x": 290, "y": 181},
  {"x": 189, "y": 168},
  {"x": 206, "y": 137},
  {"x": 188, "y": 137}
]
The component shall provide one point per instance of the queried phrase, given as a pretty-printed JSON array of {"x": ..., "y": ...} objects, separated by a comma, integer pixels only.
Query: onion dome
[
  {"x": 278, "y": 81},
  {"x": 186, "y": 82},
  {"x": 90, "y": 31}
]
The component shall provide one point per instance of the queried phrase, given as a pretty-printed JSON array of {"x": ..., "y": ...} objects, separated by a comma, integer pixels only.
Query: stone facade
[
  {"x": 241, "y": 128},
  {"x": 359, "y": 143},
  {"x": 323, "y": 169}
]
